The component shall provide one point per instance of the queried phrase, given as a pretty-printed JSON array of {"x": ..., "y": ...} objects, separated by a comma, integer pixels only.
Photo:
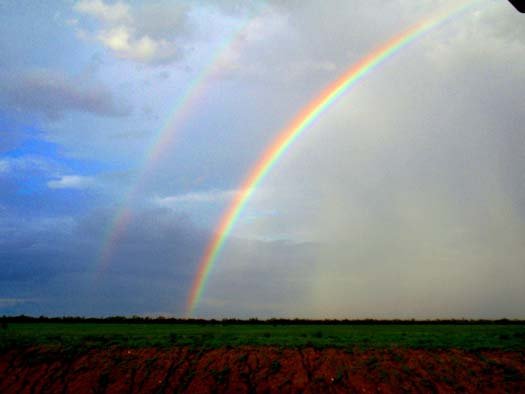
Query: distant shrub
[
  {"x": 103, "y": 380},
  {"x": 372, "y": 361},
  {"x": 406, "y": 369},
  {"x": 318, "y": 334},
  {"x": 243, "y": 357},
  {"x": 511, "y": 374},
  {"x": 398, "y": 357},
  {"x": 220, "y": 376},
  {"x": 339, "y": 376}
]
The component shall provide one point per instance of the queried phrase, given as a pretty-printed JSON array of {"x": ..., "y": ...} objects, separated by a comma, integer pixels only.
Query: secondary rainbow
[
  {"x": 183, "y": 108},
  {"x": 290, "y": 133}
]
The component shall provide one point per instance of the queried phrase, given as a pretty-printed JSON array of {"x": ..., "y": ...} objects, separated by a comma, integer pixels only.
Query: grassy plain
[{"x": 363, "y": 336}]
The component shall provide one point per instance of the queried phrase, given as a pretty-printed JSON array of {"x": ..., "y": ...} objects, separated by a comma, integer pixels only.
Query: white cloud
[
  {"x": 197, "y": 197},
  {"x": 144, "y": 34},
  {"x": 4, "y": 166},
  {"x": 26, "y": 163},
  {"x": 126, "y": 45},
  {"x": 108, "y": 12},
  {"x": 71, "y": 182}
]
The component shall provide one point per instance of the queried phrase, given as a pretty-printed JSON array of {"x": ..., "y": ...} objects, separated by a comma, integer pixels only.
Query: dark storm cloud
[
  {"x": 53, "y": 94},
  {"x": 34, "y": 248},
  {"x": 154, "y": 240},
  {"x": 54, "y": 261},
  {"x": 51, "y": 266}
]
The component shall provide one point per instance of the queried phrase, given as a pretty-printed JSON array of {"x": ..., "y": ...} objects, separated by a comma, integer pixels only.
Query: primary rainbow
[
  {"x": 183, "y": 108},
  {"x": 289, "y": 134}
]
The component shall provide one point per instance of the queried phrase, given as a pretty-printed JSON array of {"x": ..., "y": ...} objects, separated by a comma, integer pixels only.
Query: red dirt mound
[{"x": 261, "y": 369}]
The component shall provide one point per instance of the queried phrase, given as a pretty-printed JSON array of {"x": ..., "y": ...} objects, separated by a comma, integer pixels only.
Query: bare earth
[{"x": 261, "y": 370}]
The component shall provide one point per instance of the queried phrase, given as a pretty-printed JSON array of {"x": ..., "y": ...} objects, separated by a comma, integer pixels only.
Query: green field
[{"x": 429, "y": 336}]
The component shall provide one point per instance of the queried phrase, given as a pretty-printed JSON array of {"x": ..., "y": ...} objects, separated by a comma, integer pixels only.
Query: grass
[{"x": 96, "y": 335}]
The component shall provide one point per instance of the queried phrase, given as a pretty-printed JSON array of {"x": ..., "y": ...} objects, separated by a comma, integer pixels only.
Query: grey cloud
[
  {"x": 409, "y": 189},
  {"x": 162, "y": 20},
  {"x": 411, "y": 185},
  {"x": 55, "y": 262},
  {"x": 319, "y": 43},
  {"x": 54, "y": 266},
  {"x": 274, "y": 278},
  {"x": 52, "y": 94},
  {"x": 505, "y": 24},
  {"x": 301, "y": 44}
]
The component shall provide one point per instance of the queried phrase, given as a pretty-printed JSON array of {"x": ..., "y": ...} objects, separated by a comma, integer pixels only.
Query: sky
[{"x": 127, "y": 128}]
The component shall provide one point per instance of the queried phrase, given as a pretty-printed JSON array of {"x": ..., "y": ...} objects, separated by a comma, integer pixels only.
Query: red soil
[{"x": 261, "y": 369}]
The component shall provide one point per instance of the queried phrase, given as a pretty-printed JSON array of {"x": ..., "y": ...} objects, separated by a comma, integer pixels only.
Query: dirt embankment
[{"x": 260, "y": 369}]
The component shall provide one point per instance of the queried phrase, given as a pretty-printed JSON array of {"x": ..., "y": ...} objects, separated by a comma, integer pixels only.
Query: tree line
[{"x": 250, "y": 321}]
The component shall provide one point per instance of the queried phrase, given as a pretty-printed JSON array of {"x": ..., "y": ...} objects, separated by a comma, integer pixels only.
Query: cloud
[
  {"x": 52, "y": 261},
  {"x": 148, "y": 33},
  {"x": 10, "y": 302},
  {"x": 197, "y": 197},
  {"x": 116, "y": 12},
  {"x": 122, "y": 41},
  {"x": 71, "y": 182},
  {"x": 504, "y": 24},
  {"x": 4, "y": 166},
  {"x": 273, "y": 276},
  {"x": 53, "y": 94},
  {"x": 411, "y": 184},
  {"x": 405, "y": 198},
  {"x": 55, "y": 260},
  {"x": 26, "y": 164}
]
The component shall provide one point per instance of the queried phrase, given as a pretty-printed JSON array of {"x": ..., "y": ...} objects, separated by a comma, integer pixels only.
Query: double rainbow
[
  {"x": 182, "y": 110},
  {"x": 294, "y": 130}
]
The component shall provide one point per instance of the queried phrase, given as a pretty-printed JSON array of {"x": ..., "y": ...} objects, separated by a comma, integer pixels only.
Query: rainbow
[
  {"x": 294, "y": 130},
  {"x": 183, "y": 108}
]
